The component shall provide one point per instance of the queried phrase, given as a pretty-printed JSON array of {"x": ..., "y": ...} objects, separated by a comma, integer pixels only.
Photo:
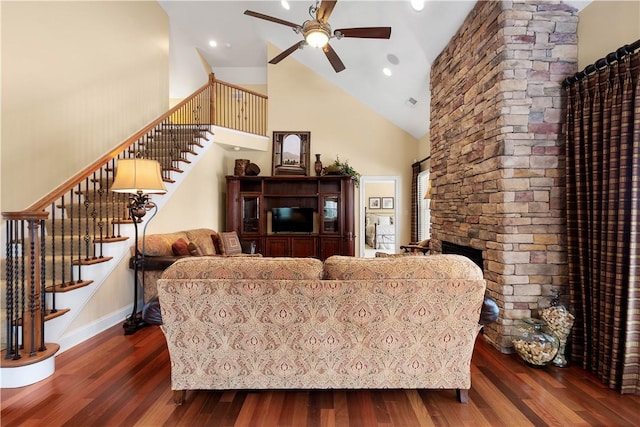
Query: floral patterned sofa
[{"x": 279, "y": 323}]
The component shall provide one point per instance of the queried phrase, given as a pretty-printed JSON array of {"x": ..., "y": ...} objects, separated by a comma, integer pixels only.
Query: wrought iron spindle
[
  {"x": 32, "y": 289},
  {"x": 52, "y": 236},
  {"x": 43, "y": 278},
  {"x": 11, "y": 254},
  {"x": 78, "y": 261},
  {"x": 87, "y": 215},
  {"x": 100, "y": 205},
  {"x": 21, "y": 302}
]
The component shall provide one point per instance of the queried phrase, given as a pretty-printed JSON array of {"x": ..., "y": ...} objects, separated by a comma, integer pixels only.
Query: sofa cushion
[
  {"x": 201, "y": 237},
  {"x": 407, "y": 267},
  {"x": 229, "y": 243},
  {"x": 262, "y": 268}
]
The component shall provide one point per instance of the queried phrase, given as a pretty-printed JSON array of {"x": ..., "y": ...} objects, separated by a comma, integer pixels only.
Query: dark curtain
[
  {"x": 603, "y": 219},
  {"x": 415, "y": 168}
]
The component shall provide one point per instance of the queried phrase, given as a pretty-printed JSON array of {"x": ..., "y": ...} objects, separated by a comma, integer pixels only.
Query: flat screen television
[{"x": 292, "y": 220}]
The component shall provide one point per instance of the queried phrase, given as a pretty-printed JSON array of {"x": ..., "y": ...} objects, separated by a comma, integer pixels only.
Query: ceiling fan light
[
  {"x": 417, "y": 5},
  {"x": 317, "y": 38}
]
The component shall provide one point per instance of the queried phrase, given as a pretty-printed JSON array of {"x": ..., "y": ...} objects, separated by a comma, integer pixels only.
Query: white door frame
[{"x": 396, "y": 207}]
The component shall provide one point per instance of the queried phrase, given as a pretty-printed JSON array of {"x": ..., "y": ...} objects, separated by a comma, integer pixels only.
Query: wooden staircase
[{"x": 61, "y": 249}]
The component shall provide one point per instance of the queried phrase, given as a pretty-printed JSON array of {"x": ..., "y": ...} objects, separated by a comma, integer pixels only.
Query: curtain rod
[
  {"x": 421, "y": 161},
  {"x": 602, "y": 63}
]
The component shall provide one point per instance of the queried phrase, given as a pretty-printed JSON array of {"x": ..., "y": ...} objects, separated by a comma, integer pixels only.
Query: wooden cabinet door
[
  {"x": 329, "y": 246},
  {"x": 303, "y": 247},
  {"x": 277, "y": 246}
]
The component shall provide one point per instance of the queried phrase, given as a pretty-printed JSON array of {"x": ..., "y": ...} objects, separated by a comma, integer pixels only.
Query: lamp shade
[{"x": 138, "y": 176}]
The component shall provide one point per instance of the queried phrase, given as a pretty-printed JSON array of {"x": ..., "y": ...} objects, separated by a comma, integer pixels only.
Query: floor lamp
[{"x": 140, "y": 178}]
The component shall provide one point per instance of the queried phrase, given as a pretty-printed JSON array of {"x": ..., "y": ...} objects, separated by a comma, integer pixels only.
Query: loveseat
[
  {"x": 279, "y": 323},
  {"x": 163, "y": 249}
]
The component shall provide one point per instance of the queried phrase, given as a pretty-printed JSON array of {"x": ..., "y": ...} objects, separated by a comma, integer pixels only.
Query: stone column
[{"x": 497, "y": 152}]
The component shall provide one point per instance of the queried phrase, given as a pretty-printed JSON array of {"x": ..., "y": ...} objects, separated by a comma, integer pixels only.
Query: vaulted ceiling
[{"x": 241, "y": 52}]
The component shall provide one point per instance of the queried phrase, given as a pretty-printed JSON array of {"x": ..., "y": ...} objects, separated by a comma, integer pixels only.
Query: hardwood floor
[{"x": 117, "y": 380}]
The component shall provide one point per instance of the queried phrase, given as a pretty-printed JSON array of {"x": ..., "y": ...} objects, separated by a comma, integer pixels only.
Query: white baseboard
[{"x": 79, "y": 335}]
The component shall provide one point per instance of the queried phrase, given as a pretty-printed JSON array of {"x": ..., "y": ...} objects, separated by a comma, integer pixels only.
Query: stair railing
[{"x": 48, "y": 243}]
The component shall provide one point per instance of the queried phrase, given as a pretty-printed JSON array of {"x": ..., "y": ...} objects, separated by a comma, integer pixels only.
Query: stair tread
[
  {"x": 67, "y": 287},
  {"x": 92, "y": 261},
  {"x": 51, "y": 350}
]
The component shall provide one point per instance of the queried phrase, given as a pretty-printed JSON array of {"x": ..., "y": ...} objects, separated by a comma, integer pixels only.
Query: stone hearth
[{"x": 497, "y": 157}]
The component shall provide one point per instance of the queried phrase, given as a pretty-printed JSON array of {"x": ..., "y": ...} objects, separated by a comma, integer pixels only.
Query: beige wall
[
  {"x": 301, "y": 100},
  {"x": 379, "y": 189},
  {"x": 604, "y": 26},
  {"x": 77, "y": 79},
  {"x": 424, "y": 147}
]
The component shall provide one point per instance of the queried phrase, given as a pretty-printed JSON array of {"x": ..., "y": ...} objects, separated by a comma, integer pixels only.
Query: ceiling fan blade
[
  {"x": 333, "y": 58},
  {"x": 325, "y": 9},
  {"x": 270, "y": 18},
  {"x": 287, "y": 52},
  {"x": 365, "y": 32}
]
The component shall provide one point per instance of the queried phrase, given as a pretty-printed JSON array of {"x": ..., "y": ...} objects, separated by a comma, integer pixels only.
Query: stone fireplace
[{"x": 497, "y": 157}]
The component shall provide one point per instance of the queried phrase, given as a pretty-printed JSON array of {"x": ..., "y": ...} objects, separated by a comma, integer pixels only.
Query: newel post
[{"x": 25, "y": 305}]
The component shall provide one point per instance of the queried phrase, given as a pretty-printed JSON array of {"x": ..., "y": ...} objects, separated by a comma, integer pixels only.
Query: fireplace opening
[{"x": 473, "y": 254}]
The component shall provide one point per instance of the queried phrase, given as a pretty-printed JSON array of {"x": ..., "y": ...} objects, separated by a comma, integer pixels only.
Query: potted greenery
[{"x": 342, "y": 168}]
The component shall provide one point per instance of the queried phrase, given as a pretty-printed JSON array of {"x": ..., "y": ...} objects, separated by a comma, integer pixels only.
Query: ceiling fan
[{"x": 317, "y": 32}]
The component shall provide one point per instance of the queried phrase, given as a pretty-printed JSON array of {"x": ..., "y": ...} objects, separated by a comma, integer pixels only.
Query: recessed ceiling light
[
  {"x": 386, "y": 71},
  {"x": 213, "y": 43},
  {"x": 236, "y": 148},
  {"x": 285, "y": 4},
  {"x": 417, "y": 5},
  {"x": 393, "y": 59}
]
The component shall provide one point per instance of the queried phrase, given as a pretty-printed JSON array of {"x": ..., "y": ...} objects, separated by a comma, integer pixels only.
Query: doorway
[{"x": 379, "y": 219}]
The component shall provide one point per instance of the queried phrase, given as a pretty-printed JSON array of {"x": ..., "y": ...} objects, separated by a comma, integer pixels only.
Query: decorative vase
[
  {"x": 534, "y": 346},
  {"x": 553, "y": 310},
  {"x": 241, "y": 166},
  {"x": 318, "y": 165}
]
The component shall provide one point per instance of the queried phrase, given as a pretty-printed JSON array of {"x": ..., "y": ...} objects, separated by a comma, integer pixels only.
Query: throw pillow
[
  {"x": 201, "y": 238},
  {"x": 217, "y": 244},
  {"x": 384, "y": 220},
  {"x": 230, "y": 244},
  {"x": 180, "y": 248},
  {"x": 193, "y": 249}
]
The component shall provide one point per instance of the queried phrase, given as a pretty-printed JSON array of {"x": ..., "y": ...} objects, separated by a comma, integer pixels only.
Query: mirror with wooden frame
[{"x": 291, "y": 153}]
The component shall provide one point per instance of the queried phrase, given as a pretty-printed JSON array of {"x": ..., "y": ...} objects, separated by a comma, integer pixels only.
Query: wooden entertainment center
[{"x": 252, "y": 201}]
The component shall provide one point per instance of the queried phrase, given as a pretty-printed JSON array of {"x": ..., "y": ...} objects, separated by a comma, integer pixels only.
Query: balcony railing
[{"x": 49, "y": 243}]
